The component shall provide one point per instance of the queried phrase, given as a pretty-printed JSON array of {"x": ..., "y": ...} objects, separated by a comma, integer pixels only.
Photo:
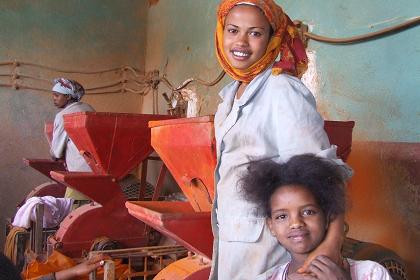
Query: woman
[{"x": 266, "y": 113}]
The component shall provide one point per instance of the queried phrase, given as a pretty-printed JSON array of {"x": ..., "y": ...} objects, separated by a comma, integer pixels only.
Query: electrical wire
[
  {"x": 71, "y": 71},
  {"x": 190, "y": 80},
  {"x": 140, "y": 84},
  {"x": 360, "y": 38}
]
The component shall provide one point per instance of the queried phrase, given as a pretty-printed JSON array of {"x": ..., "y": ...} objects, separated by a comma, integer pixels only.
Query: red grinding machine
[
  {"x": 113, "y": 144},
  {"x": 187, "y": 147}
]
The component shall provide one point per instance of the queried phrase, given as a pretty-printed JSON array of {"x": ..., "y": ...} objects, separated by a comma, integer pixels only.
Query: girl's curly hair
[{"x": 322, "y": 177}]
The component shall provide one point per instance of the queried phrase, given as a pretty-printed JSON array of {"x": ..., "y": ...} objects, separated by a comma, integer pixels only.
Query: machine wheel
[
  {"x": 358, "y": 250},
  {"x": 104, "y": 243}
]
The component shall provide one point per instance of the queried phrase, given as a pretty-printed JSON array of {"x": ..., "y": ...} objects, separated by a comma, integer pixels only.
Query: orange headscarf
[{"x": 284, "y": 41}]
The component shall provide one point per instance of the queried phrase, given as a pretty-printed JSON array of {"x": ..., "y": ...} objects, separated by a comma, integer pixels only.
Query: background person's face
[
  {"x": 60, "y": 100},
  {"x": 245, "y": 36}
]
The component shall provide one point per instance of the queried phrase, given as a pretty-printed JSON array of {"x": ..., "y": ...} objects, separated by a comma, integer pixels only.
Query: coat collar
[{"x": 229, "y": 91}]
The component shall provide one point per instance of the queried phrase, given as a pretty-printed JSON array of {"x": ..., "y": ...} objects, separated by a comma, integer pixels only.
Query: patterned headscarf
[
  {"x": 70, "y": 87},
  {"x": 285, "y": 48}
]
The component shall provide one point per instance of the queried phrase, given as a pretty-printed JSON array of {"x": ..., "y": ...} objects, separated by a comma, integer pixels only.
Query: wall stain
[{"x": 385, "y": 195}]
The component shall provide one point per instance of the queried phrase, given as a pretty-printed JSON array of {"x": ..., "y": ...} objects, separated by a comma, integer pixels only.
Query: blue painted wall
[{"x": 374, "y": 83}]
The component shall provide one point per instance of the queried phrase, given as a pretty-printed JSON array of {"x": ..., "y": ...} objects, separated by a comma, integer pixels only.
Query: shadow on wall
[{"x": 385, "y": 197}]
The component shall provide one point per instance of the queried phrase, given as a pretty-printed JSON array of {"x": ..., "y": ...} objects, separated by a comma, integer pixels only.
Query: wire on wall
[
  {"x": 19, "y": 75},
  {"x": 31, "y": 76},
  {"x": 360, "y": 38}
]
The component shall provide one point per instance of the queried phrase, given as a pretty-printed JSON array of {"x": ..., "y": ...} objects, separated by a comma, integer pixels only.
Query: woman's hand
[
  {"x": 82, "y": 269},
  {"x": 330, "y": 246},
  {"x": 324, "y": 268},
  {"x": 333, "y": 253}
]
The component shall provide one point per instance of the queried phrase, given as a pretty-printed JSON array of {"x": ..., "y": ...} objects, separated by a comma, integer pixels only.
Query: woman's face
[
  {"x": 296, "y": 220},
  {"x": 246, "y": 36},
  {"x": 60, "y": 100}
]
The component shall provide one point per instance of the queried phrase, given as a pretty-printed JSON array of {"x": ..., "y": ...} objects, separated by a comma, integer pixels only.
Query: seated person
[
  {"x": 300, "y": 198},
  {"x": 66, "y": 96}
]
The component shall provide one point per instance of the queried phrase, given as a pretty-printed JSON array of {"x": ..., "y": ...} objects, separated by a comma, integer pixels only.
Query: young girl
[
  {"x": 266, "y": 113},
  {"x": 299, "y": 198}
]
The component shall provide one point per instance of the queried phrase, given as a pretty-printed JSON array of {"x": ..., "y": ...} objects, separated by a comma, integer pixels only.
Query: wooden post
[
  {"x": 39, "y": 214},
  {"x": 109, "y": 270},
  {"x": 159, "y": 183},
  {"x": 92, "y": 275}
]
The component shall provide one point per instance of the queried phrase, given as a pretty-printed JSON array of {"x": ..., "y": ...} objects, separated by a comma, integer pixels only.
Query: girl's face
[
  {"x": 296, "y": 220},
  {"x": 246, "y": 36},
  {"x": 60, "y": 100}
]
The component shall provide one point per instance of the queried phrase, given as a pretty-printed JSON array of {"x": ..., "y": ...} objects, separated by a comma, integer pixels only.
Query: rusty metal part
[
  {"x": 157, "y": 255},
  {"x": 177, "y": 220},
  {"x": 104, "y": 243},
  {"x": 150, "y": 251}
]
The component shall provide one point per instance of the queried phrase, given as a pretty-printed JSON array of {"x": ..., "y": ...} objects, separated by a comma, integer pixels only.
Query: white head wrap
[{"x": 70, "y": 87}]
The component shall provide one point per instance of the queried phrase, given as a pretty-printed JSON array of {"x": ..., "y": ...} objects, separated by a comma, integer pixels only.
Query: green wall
[
  {"x": 77, "y": 35},
  {"x": 180, "y": 35},
  {"x": 374, "y": 83}
]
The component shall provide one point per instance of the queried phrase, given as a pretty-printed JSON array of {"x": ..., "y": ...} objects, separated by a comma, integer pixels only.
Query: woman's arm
[
  {"x": 59, "y": 138},
  {"x": 331, "y": 246},
  {"x": 81, "y": 269}
]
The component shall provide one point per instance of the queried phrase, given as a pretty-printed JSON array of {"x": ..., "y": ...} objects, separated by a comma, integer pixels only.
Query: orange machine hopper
[{"x": 112, "y": 143}]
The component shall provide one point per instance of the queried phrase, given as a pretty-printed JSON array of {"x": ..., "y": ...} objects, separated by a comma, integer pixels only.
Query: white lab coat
[{"x": 63, "y": 146}]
